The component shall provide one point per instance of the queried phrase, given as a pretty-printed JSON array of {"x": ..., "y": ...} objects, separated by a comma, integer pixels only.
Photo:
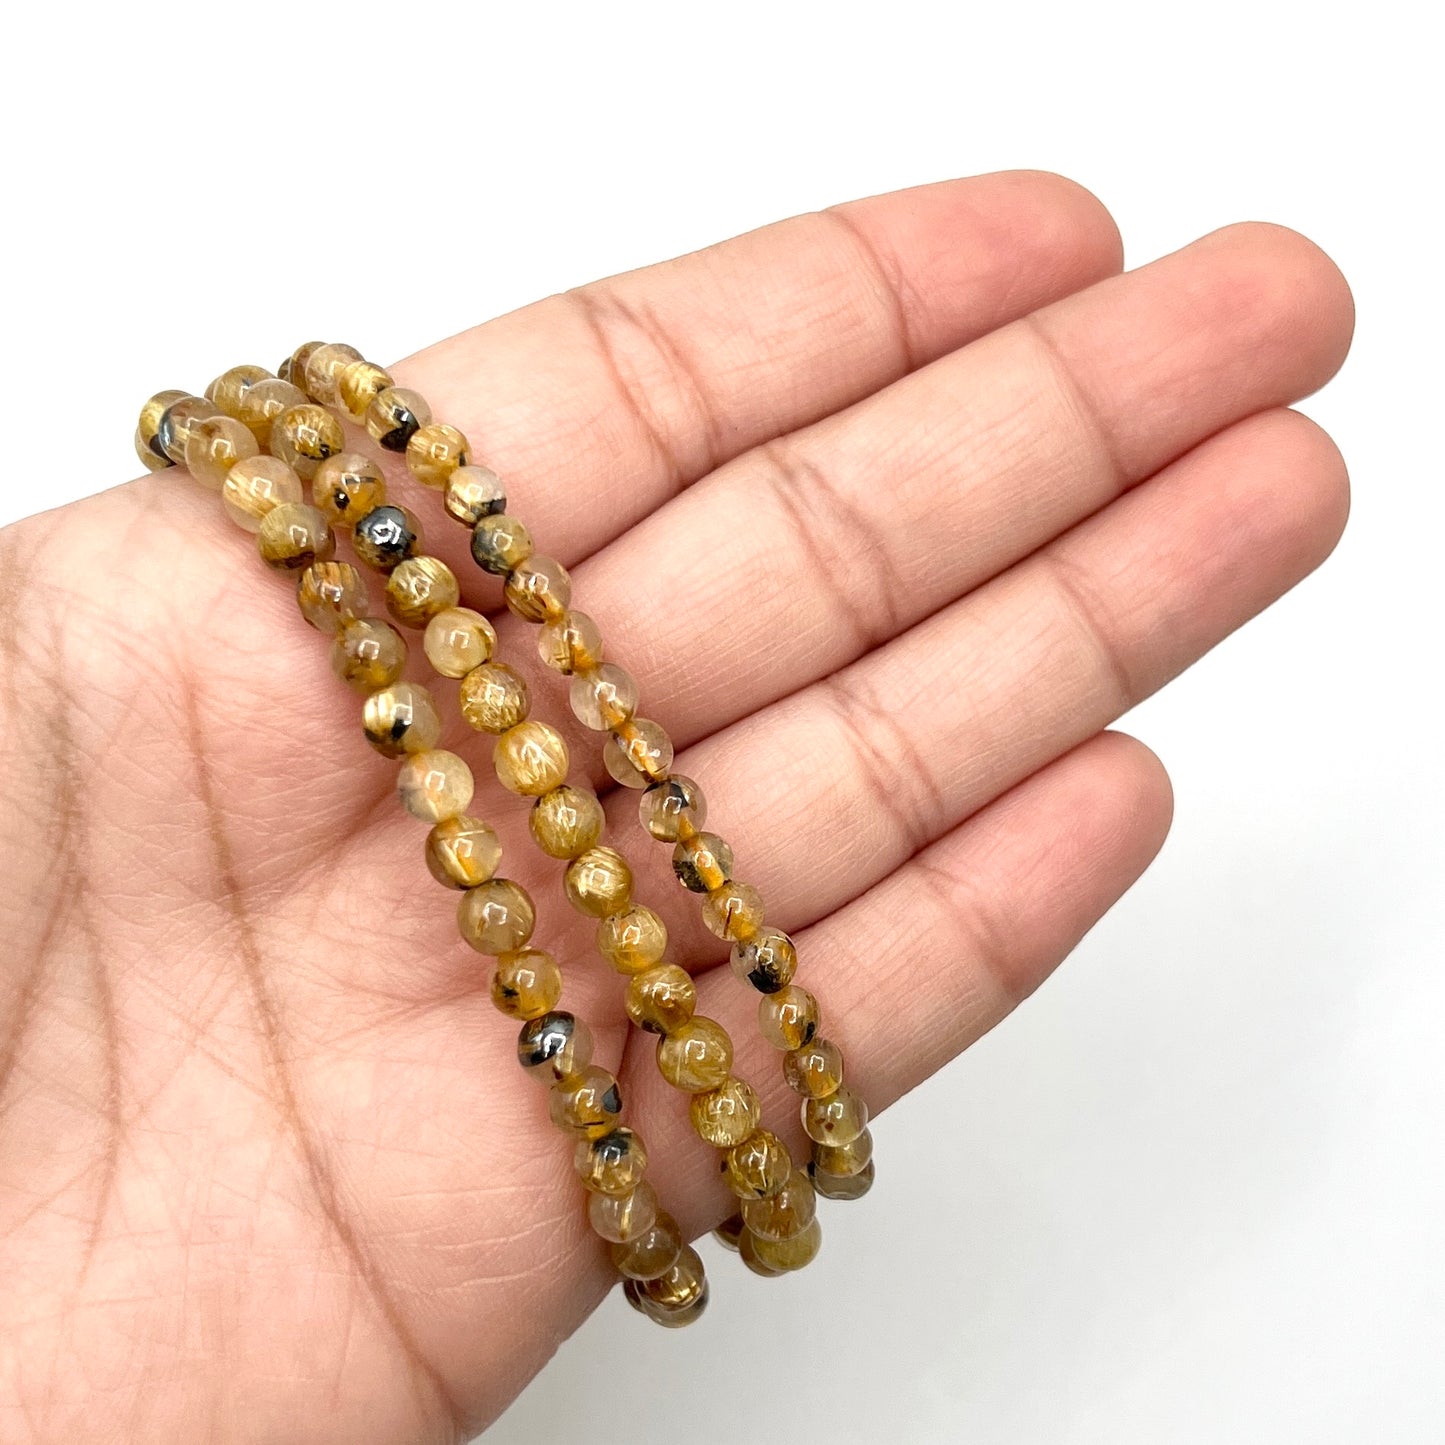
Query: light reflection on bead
[
  {"x": 612, "y": 1164},
  {"x": 331, "y": 594},
  {"x": 420, "y": 587},
  {"x": 757, "y": 1167},
  {"x": 815, "y": 1070},
  {"x": 767, "y": 960},
  {"x": 359, "y": 385},
  {"x": 254, "y": 486},
  {"x": 555, "y": 1047},
  {"x": 570, "y": 643},
  {"x": 530, "y": 758},
  {"x": 472, "y": 493},
  {"x": 293, "y": 536},
  {"x": 434, "y": 785},
  {"x": 457, "y": 640},
  {"x": 401, "y": 719},
  {"x": 587, "y": 1104},
  {"x": 526, "y": 984},
  {"x": 462, "y": 852},
  {"x": 673, "y": 809},
  {"x": 599, "y": 883},
  {"x": 618, "y": 1218},
  {"x": 231, "y": 385},
  {"x": 784, "y": 1214},
  {"x": 386, "y": 536},
  {"x": 566, "y": 821},
  {"x": 147, "y": 433},
  {"x": 726, "y": 1115},
  {"x": 497, "y": 917},
  {"x": 538, "y": 589},
  {"x": 733, "y": 911},
  {"x": 652, "y": 1253},
  {"x": 788, "y": 1019},
  {"x": 633, "y": 940},
  {"x": 499, "y": 543},
  {"x": 837, "y": 1119},
  {"x": 321, "y": 375},
  {"x": 703, "y": 862},
  {"x": 368, "y": 654},
  {"x": 493, "y": 697},
  {"x": 173, "y": 429},
  {"x": 305, "y": 436},
  {"x": 695, "y": 1056},
  {"x": 434, "y": 452},
  {"x": 603, "y": 697},
  {"x": 348, "y": 486},
  {"x": 394, "y": 417},
  {"x": 842, "y": 1161},
  {"x": 661, "y": 1000}
]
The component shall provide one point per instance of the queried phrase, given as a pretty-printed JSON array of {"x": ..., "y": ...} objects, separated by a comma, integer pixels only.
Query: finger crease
[
  {"x": 890, "y": 287},
  {"x": 1087, "y": 616}
]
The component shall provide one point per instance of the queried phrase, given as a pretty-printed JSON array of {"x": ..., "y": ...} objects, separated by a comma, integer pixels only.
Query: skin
[{"x": 891, "y": 510}]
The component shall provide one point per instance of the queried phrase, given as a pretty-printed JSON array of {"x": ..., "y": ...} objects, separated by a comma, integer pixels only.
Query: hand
[{"x": 891, "y": 510}]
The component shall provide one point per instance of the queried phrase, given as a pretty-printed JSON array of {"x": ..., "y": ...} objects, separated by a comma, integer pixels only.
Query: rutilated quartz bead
[
  {"x": 843, "y": 1186},
  {"x": 305, "y": 436},
  {"x": 538, "y": 589},
  {"x": 620, "y": 1217},
  {"x": 570, "y": 643},
  {"x": 677, "y": 1296},
  {"x": 293, "y": 369},
  {"x": 838, "y": 1118},
  {"x": 254, "y": 486},
  {"x": 497, "y": 917},
  {"x": 214, "y": 446},
  {"x": 767, "y": 960},
  {"x": 526, "y": 984},
  {"x": 420, "y": 587},
  {"x": 530, "y": 758},
  {"x": 587, "y": 1104},
  {"x": 434, "y": 452},
  {"x": 673, "y": 809},
  {"x": 358, "y": 385},
  {"x": 661, "y": 999},
  {"x": 702, "y": 862},
  {"x": 292, "y": 536},
  {"x": 368, "y": 653},
  {"x": 555, "y": 1047},
  {"x": 566, "y": 822},
  {"x": 263, "y": 401},
  {"x": 815, "y": 1070},
  {"x": 733, "y": 911},
  {"x": 231, "y": 385},
  {"x": 747, "y": 1250},
  {"x": 147, "y": 432},
  {"x": 758, "y": 1166},
  {"x": 782, "y": 1215},
  {"x": 331, "y": 594},
  {"x": 173, "y": 429},
  {"x": 726, "y": 1115},
  {"x": 457, "y": 640},
  {"x": 603, "y": 697},
  {"x": 788, "y": 1019},
  {"x": 632, "y": 941},
  {"x": 493, "y": 697},
  {"x": 598, "y": 883},
  {"x": 386, "y": 536},
  {"x": 147, "y": 457},
  {"x": 638, "y": 752},
  {"x": 612, "y": 1164},
  {"x": 696, "y": 1056},
  {"x": 729, "y": 1232},
  {"x": 395, "y": 415},
  {"x": 401, "y": 719},
  {"x": 321, "y": 375},
  {"x": 651, "y": 1253},
  {"x": 472, "y": 493},
  {"x": 499, "y": 543},
  {"x": 842, "y": 1161},
  {"x": 347, "y": 487},
  {"x": 434, "y": 786},
  {"x": 462, "y": 852},
  {"x": 783, "y": 1256}
]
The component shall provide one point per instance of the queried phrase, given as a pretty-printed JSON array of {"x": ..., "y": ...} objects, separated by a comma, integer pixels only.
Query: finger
[
  {"x": 934, "y": 956},
  {"x": 795, "y": 559}
]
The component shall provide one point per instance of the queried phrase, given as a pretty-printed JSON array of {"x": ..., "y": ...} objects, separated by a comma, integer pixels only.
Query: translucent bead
[
  {"x": 758, "y": 1166},
  {"x": 293, "y": 369},
  {"x": 767, "y": 960},
  {"x": 473, "y": 493},
  {"x": 638, "y": 752},
  {"x": 147, "y": 432},
  {"x": 554, "y": 1047},
  {"x": 651, "y": 1253},
  {"x": 815, "y": 1070},
  {"x": 842, "y": 1161},
  {"x": 784, "y": 1214},
  {"x": 230, "y": 386},
  {"x": 420, "y": 587},
  {"x": 747, "y": 1251},
  {"x": 368, "y": 654},
  {"x": 401, "y": 719},
  {"x": 729, "y": 1232},
  {"x": 331, "y": 594},
  {"x": 633, "y": 940},
  {"x": 434, "y": 452},
  {"x": 386, "y": 536},
  {"x": 673, "y": 809},
  {"x": 348, "y": 486},
  {"x": 530, "y": 758},
  {"x": 702, "y": 862},
  {"x": 321, "y": 375},
  {"x": 526, "y": 984},
  {"x": 726, "y": 1115},
  {"x": 570, "y": 643},
  {"x": 496, "y": 917},
  {"x": 262, "y": 402},
  {"x": 493, "y": 697},
  {"x": 620, "y": 1217},
  {"x": 785, "y": 1255},
  {"x": 214, "y": 446},
  {"x": 358, "y": 386},
  {"x": 679, "y": 1295},
  {"x": 837, "y": 1119},
  {"x": 395, "y": 416},
  {"x": 603, "y": 697},
  {"x": 254, "y": 486},
  {"x": 587, "y": 1104},
  {"x": 696, "y": 1056},
  {"x": 671, "y": 1317},
  {"x": 434, "y": 786},
  {"x": 612, "y": 1164},
  {"x": 599, "y": 883},
  {"x": 463, "y": 852},
  {"x": 173, "y": 429},
  {"x": 661, "y": 999},
  {"x": 305, "y": 436},
  {"x": 149, "y": 459},
  {"x": 566, "y": 822},
  {"x": 538, "y": 589},
  {"x": 849, "y": 1186},
  {"x": 734, "y": 911},
  {"x": 788, "y": 1019},
  {"x": 499, "y": 543},
  {"x": 292, "y": 536},
  {"x": 457, "y": 640}
]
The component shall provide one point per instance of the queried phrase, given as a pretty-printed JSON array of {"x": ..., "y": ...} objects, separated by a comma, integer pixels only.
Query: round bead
[
  {"x": 499, "y": 543},
  {"x": 526, "y": 984},
  {"x": 368, "y": 654},
  {"x": 837, "y": 1119},
  {"x": 733, "y": 911},
  {"x": 401, "y": 719},
  {"x": 747, "y": 1251},
  {"x": 147, "y": 431},
  {"x": 788, "y": 1019},
  {"x": 147, "y": 457},
  {"x": 603, "y": 697},
  {"x": 420, "y": 587},
  {"x": 726, "y": 1115},
  {"x": 669, "y": 1317},
  {"x": 758, "y": 1166},
  {"x": 554, "y": 1047},
  {"x": 173, "y": 429},
  {"x": 386, "y": 536},
  {"x": 457, "y": 640},
  {"x": 321, "y": 374},
  {"x": 638, "y": 752},
  {"x": 256, "y": 485},
  {"x": 538, "y": 589},
  {"x": 651, "y": 1253},
  {"x": 462, "y": 852},
  {"x": 292, "y": 536},
  {"x": 784, "y": 1214},
  {"x": 679, "y": 1294},
  {"x": 293, "y": 369},
  {"x": 767, "y": 960},
  {"x": 849, "y": 1186},
  {"x": 632, "y": 940},
  {"x": 570, "y": 643},
  {"x": 843, "y": 1161},
  {"x": 473, "y": 493},
  {"x": 599, "y": 883},
  {"x": 815, "y": 1070},
  {"x": 786, "y": 1255},
  {"x": 673, "y": 809},
  {"x": 587, "y": 1104},
  {"x": 493, "y": 697},
  {"x": 530, "y": 758},
  {"x": 620, "y": 1217},
  {"x": 702, "y": 862},
  {"x": 696, "y": 1056},
  {"x": 566, "y": 822},
  {"x": 613, "y": 1163},
  {"x": 434, "y": 785},
  {"x": 395, "y": 415},
  {"x": 358, "y": 385},
  {"x": 434, "y": 452},
  {"x": 497, "y": 917},
  {"x": 229, "y": 387},
  {"x": 262, "y": 402},
  {"x": 348, "y": 486},
  {"x": 305, "y": 436},
  {"x": 661, "y": 999},
  {"x": 729, "y": 1232},
  {"x": 331, "y": 594},
  {"x": 214, "y": 446}
]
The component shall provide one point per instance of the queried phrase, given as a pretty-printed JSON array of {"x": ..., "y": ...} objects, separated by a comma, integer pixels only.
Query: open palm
[{"x": 890, "y": 510}]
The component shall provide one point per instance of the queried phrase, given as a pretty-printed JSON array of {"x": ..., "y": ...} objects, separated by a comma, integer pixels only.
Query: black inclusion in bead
[
  {"x": 384, "y": 537},
  {"x": 165, "y": 434},
  {"x": 612, "y": 1100},
  {"x": 406, "y": 427},
  {"x": 544, "y": 1038}
]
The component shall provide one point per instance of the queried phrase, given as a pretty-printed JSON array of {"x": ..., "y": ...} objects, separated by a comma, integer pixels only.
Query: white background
[{"x": 1191, "y": 1192}]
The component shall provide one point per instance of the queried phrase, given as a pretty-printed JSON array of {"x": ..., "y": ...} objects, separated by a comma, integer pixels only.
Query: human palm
[{"x": 891, "y": 510}]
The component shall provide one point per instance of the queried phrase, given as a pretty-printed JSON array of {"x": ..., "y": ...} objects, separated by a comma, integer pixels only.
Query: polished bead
[
  {"x": 230, "y": 386},
  {"x": 472, "y": 493},
  {"x": 331, "y": 594},
  {"x": 434, "y": 785},
  {"x": 678, "y": 1295},
  {"x": 256, "y": 485},
  {"x": 587, "y": 1104},
  {"x": 695, "y": 1056},
  {"x": 530, "y": 758},
  {"x": 702, "y": 862},
  {"x": 395, "y": 416},
  {"x": 671, "y": 1317},
  {"x": 292, "y": 536},
  {"x": 786, "y": 1255},
  {"x": 386, "y": 536},
  {"x": 599, "y": 883},
  {"x": 620, "y": 1217},
  {"x": 729, "y": 1232},
  {"x": 845, "y": 1186},
  {"x": 305, "y": 436},
  {"x": 147, "y": 457},
  {"x": 788, "y": 1019},
  {"x": 499, "y": 543},
  {"x": 603, "y": 697},
  {"x": 554, "y": 1047},
  {"x": 788, "y": 1212},
  {"x": 747, "y": 1251},
  {"x": 321, "y": 376},
  {"x": 457, "y": 640},
  {"x": 462, "y": 852},
  {"x": 767, "y": 960},
  {"x": 661, "y": 999},
  {"x": 651, "y": 1253},
  {"x": 434, "y": 452},
  {"x": 420, "y": 587},
  {"x": 843, "y": 1160},
  {"x": 497, "y": 917},
  {"x": 839, "y": 1118},
  {"x": 566, "y": 821},
  {"x": 673, "y": 809},
  {"x": 538, "y": 589},
  {"x": 493, "y": 697},
  {"x": 262, "y": 402},
  {"x": 733, "y": 911},
  {"x": 726, "y": 1115},
  {"x": 570, "y": 643},
  {"x": 401, "y": 719},
  {"x": 293, "y": 369},
  {"x": 214, "y": 446},
  {"x": 613, "y": 1163},
  {"x": 638, "y": 752},
  {"x": 358, "y": 385},
  {"x": 348, "y": 486},
  {"x": 633, "y": 940},
  {"x": 173, "y": 429},
  {"x": 526, "y": 984},
  {"x": 368, "y": 653},
  {"x": 815, "y": 1070},
  {"x": 758, "y": 1166},
  {"x": 147, "y": 433}
]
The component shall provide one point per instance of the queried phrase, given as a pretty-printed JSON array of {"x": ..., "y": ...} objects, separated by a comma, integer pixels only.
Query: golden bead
[
  {"x": 727, "y": 1114},
  {"x": 843, "y": 1186},
  {"x": 321, "y": 375},
  {"x": 703, "y": 862},
  {"x": 331, "y": 594},
  {"x": 638, "y": 752},
  {"x": 526, "y": 984},
  {"x": 661, "y": 999},
  {"x": 620, "y": 1217},
  {"x": 633, "y": 940},
  {"x": 842, "y": 1161},
  {"x": 293, "y": 369},
  {"x": 603, "y": 697},
  {"x": 493, "y": 697},
  {"x": 497, "y": 917},
  {"x": 262, "y": 402},
  {"x": 729, "y": 1232},
  {"x": 788, "y": 1019},
  {"x": 839, "y": 1118},
  {"x": 696, "y": 1056},
  {"x": 472, "y": 493},
  {"x": 783, "y": 1256},
  {"x": 254, "y": 486},
  {"x": 457, "y": 640},
  {"x": 673, "y": 809},
  {"x": 348, "y": 486},
  {"x": 395, "y": 415},
  {"x": 420, "y": 587},
  {"x": 599, "y": 883},
  {"x": 651, "y": 1253},
  {"x": 173, "y": 429},
  {"x": 815, "y": 1070},
  {"x": 368, "y": 654},
  {"x": 758, "y": 1166},
  {"x": 292, "y": 536},
  {"x": 434, "y": 785},
  {"x": 747, "y": 1251},
  {"x": 147, "y": 432},
  {"x": 358, "y": 386},
  {"x": 566, "y": 821},
  {"x": 784, "y": 1214},
  {"x": 230, "y": 386},
  {"x": 147, "y": 457},
  {"x": 499, "y": 543},
  {"x": 587, "y": 1104},
  {"x": 733, "y": 911},
  {"x": 462, "y": 853},
  {"x": 613, "y": 1164},
  {"x": 530, "y": 758},
  {"x": 538, "y": 589},
  {"x": 401, "y": 719},
  {"x": 386, "y": 536},
  {"x": 767, "y": 960},
  {"x": 305, "y": 436},
  {"x": 677, "y": 1297},
  {"x": 570, "y": 643},
  {"x": 434, "y": 452},
  {"x": 214, "y": 446},
  {"x": 554, "y": 1047}
]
